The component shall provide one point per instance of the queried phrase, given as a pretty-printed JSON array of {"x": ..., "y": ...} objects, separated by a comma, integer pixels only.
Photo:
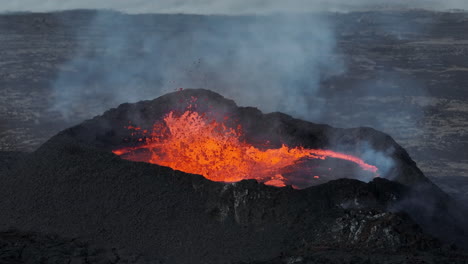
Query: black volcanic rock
[
  {"x": 331, "y": 256},
  {"x": 32, "y": 248},
  {"x": 73, "y": 186}
]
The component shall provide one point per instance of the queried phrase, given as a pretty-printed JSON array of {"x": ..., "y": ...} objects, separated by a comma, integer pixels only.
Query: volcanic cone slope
[{"x": 74, "y": 186}]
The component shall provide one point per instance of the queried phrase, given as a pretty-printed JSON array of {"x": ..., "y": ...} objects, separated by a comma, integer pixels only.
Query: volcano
[{"x": 190, "y": 177}]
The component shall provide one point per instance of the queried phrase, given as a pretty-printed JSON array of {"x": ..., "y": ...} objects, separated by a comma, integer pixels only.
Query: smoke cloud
[{"x": 274, "y": 62}]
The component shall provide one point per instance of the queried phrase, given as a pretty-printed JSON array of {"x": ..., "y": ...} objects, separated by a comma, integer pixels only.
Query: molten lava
[{"x": 193, "y": 143}]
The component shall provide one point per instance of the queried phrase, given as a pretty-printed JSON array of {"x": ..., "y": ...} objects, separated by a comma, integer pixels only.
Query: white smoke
[{"x": 274, "y": 62}]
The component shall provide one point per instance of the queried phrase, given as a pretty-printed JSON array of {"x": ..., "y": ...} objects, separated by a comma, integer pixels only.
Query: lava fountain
[{"x": 195, "y": 143}]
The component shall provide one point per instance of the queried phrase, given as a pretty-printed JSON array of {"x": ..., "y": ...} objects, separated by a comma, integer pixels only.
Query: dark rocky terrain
[
  {"x": 31, "y": 248},
  {"x": 405, "y": 74},
  {"x": 26, "y": 247},
  {"x": 73, "y": 186}
]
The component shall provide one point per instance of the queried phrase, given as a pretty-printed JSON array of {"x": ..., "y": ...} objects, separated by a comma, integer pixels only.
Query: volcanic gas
[{"x": 197, "y": 143}]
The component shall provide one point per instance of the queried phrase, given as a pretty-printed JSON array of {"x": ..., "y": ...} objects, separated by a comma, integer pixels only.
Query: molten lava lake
[{"x": 196, "y": 143}]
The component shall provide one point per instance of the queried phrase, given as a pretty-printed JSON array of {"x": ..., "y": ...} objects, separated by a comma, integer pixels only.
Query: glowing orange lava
[{"x": 193, "y": 143}]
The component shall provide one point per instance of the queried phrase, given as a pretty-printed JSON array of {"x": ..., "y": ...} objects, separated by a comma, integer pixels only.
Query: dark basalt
[
  {"x": 30, "y": 248},
  {"x": 33, "y": 248},
  {"x": 73, "y": 186}
]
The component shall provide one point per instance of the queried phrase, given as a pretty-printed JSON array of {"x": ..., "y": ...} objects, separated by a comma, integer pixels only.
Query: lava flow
[{"x": 193, "y": 143}]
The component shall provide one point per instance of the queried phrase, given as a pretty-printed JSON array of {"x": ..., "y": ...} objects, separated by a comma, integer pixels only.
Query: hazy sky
[{"x": 223, "y": 6}]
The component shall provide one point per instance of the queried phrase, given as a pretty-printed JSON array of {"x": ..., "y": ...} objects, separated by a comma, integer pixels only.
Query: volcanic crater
[
  {"x": 127, "y": 179},
  {"x": 198, "y": 131},
  {"x": 196, "y": 141}
]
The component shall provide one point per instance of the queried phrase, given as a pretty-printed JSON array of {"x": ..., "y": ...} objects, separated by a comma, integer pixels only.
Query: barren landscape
[
  {"x": 405, "y": 74},
  {"x": 401, "y": 72}
]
